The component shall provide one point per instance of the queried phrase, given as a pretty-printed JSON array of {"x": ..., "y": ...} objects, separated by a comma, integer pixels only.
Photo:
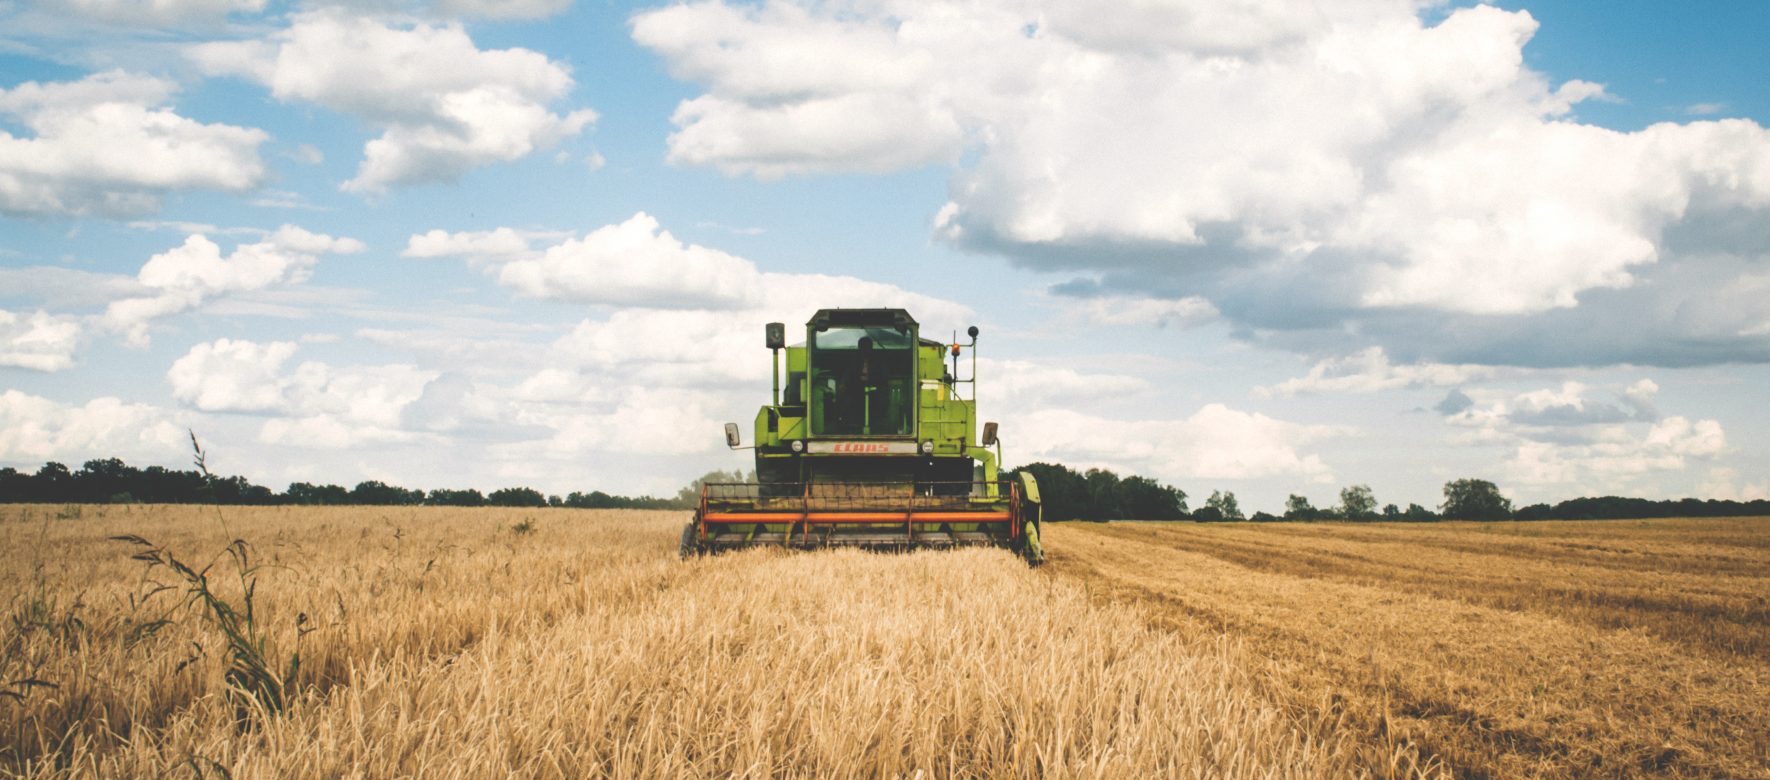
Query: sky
[{"x": 1265, "y": 246}]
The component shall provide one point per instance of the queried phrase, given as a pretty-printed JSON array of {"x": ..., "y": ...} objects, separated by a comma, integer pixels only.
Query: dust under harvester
[{"x": 870, "y": 443}]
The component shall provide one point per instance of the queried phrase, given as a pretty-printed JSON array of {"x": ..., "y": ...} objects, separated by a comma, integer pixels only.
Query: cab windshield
[{"x": 862, "y": 381}]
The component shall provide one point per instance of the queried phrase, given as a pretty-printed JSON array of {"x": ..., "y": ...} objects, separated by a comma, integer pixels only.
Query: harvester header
[{"x": 872, "y": 441}]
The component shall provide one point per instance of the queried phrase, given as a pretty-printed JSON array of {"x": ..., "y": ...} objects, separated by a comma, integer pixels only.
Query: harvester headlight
[
  {"x": 928, "y": 447},
  {"x": 798, "y": 446}
]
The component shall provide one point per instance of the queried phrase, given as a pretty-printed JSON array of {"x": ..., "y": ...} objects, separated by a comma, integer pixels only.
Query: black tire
[{"x": 691, "y": 543}]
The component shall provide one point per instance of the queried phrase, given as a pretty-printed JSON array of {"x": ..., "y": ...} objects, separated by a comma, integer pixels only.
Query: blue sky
[{"x": 1270, "y": 247}]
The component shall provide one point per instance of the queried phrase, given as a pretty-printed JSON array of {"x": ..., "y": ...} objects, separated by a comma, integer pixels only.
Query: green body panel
[{"x": 939, "y": 415}]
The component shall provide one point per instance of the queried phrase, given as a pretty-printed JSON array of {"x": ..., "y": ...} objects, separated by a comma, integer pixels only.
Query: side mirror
[
  {"x": 731, "y": 436},
  {"x": 989, "y": 434},
  {"x": 777, "y": 335}
]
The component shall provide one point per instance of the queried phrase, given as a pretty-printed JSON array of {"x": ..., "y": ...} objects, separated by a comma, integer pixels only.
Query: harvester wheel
[{"x": 691, "y": 545}]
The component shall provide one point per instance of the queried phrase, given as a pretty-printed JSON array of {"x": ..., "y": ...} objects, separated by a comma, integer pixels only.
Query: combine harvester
[{"x": 871, "y": 446}]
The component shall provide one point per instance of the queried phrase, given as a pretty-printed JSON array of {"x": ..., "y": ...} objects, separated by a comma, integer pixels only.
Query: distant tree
[
  {"x": 1208, "y": 514},
  {"x": 1357, "y": 503},
  {"x": 98, "y": 481},
  {"x": 1147, "y": 499},
  {"x": 1298, "y": 509},
  {"x": 375, "y": 493},
  {"x": 238, "y": 490},
  {"x": 316, "y": 495},
  {"x": 1416, "y": 514},
  {"x": 1265, "y": 517},
  {"x": 1391, "y": 512},
  {"x": 594, "y": 499},
  {"x": 160, "y": 485},
  {"x": 520, "y": 496},
  {"x": 1534, "y": 512},
  {"x": 1103, "y": 495},
  {"x": 1225, "y": 504},
  {"x": 445, "y": 497},
  {"x": 555, "y": 501},
  {"x": 14, "y": 486},
  {"x": 52, "y": 484},
  {"x": 1475, "y": 499}
]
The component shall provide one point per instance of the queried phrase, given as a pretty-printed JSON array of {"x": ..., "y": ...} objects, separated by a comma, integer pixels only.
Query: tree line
[
  {"x": 1099, "y": 495},
  {"x": 111, "y": 481},
  {"x": 1067, "y": 494}
]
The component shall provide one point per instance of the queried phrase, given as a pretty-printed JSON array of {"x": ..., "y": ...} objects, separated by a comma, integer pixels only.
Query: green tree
[
  {"x": 1146, "y": 499},
  {"x": 1357, "y": 503},
  {"x": 1298, "y": 508},
  {"x": 1103, "y": 495},
  {"x": 1225, "y": 504},
  {"x": 447, "y": 497},
  {"x": 1418, "y": 514},
  {"x": 518, "y": 496},
  {"x": 1475, "y": 499}
]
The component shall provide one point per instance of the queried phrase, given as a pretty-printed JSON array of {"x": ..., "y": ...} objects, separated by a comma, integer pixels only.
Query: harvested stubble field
[{"x": 566, "y": 643}]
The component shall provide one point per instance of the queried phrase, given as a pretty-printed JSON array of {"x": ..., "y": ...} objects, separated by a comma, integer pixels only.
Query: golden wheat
[
  {"x": 1499, "y": 650},
  {"x": 449, "y": 643}
]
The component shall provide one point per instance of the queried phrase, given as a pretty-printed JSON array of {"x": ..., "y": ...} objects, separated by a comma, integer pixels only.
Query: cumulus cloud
[
  {"x": 444, "y": 106},
  {"x": 1135, "y": 310},
  {"x": 1307, "y": 170},
  {"x": 639, "y": 265},
  {"x": 1724, "y": 483},
  {"x": 155, "y": 13},
  {"x": 636, "y": 263},
  {"x": 107, "y": 145},
  {"x": 33, "y": 428},
  {"x": 185, "y": 276},
  {"x": 1370, "y": 371},
  {"x": 1617, "y": 458},
  {"x": 645, "y": 422},
  {"x": 1578, "y": 439},
  {"x": 1216, "y": 442},
  {"x": 1028, "y": 384},
  {"x": 312, "y": 404},
  {"x": 40, "y": 341}
]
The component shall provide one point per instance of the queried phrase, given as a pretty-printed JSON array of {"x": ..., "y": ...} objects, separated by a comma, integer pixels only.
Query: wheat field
[{"x": 434, "y": 642}]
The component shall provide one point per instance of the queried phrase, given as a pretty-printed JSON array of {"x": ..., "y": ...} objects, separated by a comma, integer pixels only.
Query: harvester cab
[{"x": 869, "y": 444}]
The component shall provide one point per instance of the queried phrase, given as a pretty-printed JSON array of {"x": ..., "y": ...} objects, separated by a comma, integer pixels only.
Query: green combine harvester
[{"x": 870, "y": 446}]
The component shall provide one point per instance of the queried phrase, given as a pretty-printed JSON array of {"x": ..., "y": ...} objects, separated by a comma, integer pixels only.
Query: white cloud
[
  {"x": 184, "y": 277},
  {"x": 1565, "y": 437},
  {"x": 156, "y": 12},
  {"x": 313, "y": 404},
  {"x": 1724, "y": 484},
  {"x": 33, "y": 428},
  {"x": 1026, "y": 384},
  {"x": 1216, "y": 442},
  {"x": 1349, "y": 160},
  {"x": 499, "y": 244},
  {"x": 643, "y": 421},
  {"x": 107, "y": 145},
  {"x": 856, "y": 100},
  {"x": 1156, "y": 312},
  {"x": 41, "y": 341},
  {"x": 444, "y": 106},
  {"x": 1370, "y": 371},
  {"x": 636, "y": 263},
  {"x": 1617, "y": 458},
  {"x": 502, "y": 9}
]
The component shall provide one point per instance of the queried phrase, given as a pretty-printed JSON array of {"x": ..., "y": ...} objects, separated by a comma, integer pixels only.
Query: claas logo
[{"x": 858, "y": 446}]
